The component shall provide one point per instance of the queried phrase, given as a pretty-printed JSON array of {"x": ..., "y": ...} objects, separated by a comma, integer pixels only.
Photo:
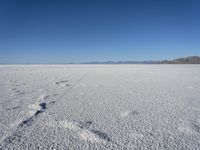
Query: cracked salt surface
[{"x": 99, "y": 107}]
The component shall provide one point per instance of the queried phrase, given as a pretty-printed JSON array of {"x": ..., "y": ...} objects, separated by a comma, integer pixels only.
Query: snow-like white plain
[{"x": 84, "y": 107}]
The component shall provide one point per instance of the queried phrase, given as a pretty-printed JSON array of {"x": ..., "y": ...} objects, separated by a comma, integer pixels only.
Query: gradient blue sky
[{"x": 62, "y": 31}]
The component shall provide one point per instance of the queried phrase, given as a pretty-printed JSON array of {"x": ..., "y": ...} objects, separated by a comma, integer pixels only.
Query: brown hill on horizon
[{"x": 186, "y": 60}]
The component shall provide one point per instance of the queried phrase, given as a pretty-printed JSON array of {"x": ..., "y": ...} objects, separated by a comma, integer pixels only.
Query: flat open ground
[{"x": 99, "y": 107}]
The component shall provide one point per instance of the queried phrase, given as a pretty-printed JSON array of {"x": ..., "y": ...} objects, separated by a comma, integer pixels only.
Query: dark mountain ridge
[{"x": 184, "y": 60}]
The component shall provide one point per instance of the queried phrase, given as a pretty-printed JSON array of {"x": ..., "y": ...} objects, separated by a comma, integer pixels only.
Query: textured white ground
[{"x": 99, "y": 107}]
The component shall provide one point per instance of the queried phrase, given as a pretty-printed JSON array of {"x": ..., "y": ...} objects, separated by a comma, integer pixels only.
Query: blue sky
[{"x": 62, "y": 31}]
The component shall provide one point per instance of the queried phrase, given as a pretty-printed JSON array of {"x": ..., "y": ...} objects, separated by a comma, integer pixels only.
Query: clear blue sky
[{"x": 62, "y": 31}]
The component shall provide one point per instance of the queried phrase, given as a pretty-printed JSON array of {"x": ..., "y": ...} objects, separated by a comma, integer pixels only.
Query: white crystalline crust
[{"x": 99, "y": 107}]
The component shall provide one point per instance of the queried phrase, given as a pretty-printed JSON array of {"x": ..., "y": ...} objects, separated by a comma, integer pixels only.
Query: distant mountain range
[{"x": 185, "y": 60}]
